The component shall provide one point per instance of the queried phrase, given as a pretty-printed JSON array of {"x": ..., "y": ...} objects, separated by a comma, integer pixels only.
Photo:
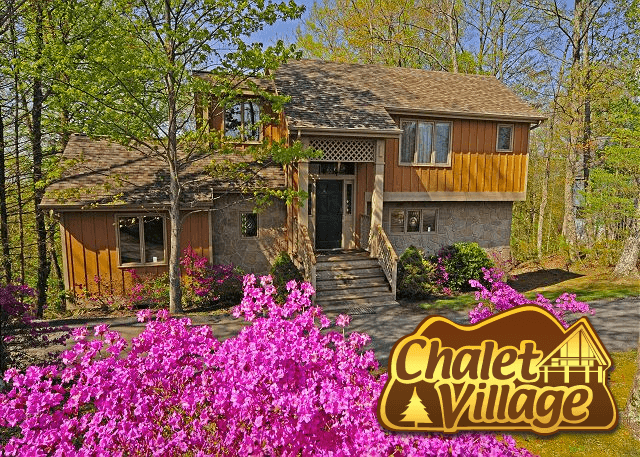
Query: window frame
[
  {"x": 143, "y": 262},
  {"x": 242, "y": 138},
  {"x": 432, "y": 156},
  {"x": 512, "y": 127},
  {"x": 406, "y": 221},
  {"x": 244, "y": 237}
]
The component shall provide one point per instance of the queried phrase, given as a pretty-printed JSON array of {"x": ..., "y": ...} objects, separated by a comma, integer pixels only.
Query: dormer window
[
  {"x": 425, "y": 143},
  {"x": 241, "y": 121}
]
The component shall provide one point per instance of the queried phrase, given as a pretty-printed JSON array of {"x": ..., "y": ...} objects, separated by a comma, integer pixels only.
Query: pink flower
[{"x": 343, "y": 320}]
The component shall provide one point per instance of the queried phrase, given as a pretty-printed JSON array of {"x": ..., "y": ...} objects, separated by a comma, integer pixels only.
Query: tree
[
  {"x": 415, "y": 411},
  {"x": 135, "y": 74}
]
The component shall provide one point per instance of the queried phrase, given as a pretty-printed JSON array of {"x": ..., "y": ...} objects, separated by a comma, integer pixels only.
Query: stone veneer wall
[
  {"x": 486, "y": 223},
  {"x": 253, "y": 255}
]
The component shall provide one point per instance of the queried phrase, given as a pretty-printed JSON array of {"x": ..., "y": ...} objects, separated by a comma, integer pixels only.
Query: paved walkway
[{"x": 616, "y": 321}]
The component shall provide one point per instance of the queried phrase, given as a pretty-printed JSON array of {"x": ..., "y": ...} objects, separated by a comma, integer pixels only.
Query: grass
[
  {"x": 618, "y": 442},
  {"x": 588, "y": 287}
]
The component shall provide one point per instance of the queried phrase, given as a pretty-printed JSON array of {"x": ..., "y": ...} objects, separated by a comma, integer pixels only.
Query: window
[
  {"x": 505, "y": 138},
  {"x": 141, "y": 240},
  {"x": 249, "y": 225},
  {"x": 425, "y": 143},
  {"x": 241, "y": 121},
  {"x": 413, "y": 220}
]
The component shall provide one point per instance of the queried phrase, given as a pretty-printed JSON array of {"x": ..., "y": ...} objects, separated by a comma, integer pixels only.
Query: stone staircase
[{"x": 351, "y": 282}]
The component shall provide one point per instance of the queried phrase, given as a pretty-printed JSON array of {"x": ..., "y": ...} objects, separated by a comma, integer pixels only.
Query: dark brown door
[{"x": 329, "y": 214}]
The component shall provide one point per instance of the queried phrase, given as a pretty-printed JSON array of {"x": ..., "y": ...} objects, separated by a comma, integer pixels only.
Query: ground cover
[{"x": 618, "y": 442}]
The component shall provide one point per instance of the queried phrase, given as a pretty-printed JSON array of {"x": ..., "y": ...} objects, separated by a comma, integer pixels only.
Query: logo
[{"x": 518, "y": 370}]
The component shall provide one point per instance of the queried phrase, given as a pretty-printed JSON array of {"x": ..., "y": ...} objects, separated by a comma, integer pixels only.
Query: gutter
[
  {"x": 464, "y": 115},
  {"x": 375, "y": 133}
]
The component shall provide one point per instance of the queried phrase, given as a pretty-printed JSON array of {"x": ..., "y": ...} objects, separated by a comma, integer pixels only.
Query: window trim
[
  {"x": 244, "y": 237},
  {"x": 143, "y": 262},
  {"x": 242, "y": 139},
  {"x": 413, "y": 163},
  {"x": 512, "y": 127},
  {"x": 406, "y": 221}
]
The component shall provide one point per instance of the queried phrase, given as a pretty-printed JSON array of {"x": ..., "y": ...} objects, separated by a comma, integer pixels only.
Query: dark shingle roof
[
  {"x": 106, "y": 173},
  {"x": 353, "y": 96}
]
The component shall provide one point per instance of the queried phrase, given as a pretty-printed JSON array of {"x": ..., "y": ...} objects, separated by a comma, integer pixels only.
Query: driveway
[{"x": 616, "y": 321}]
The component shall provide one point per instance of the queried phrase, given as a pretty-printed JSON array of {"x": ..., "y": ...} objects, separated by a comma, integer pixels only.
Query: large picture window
[
  {"x": 141, "y": 240},
  {"x": 413, "y": 220},
  {"x": 241, "y": 121},
  {"x": 425, "y": 143}
]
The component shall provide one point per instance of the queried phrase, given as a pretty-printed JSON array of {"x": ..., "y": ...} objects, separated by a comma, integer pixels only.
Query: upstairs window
[
  {"x": 141, "y": 240},
  {"x": 425, "y": 143},
  {"x": 241, "y": 121},
  {"x": 505, "y": 138}
]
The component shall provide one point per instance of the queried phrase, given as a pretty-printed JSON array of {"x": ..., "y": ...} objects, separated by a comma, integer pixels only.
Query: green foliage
[
  {"x": 463, "y": 262},
  {"x": 282, "y": 271},
  {"x": 417, "y": 276}
]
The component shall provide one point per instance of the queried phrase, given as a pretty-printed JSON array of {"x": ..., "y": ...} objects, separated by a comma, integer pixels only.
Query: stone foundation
[
  {"x": 486, "y": 223},
  {"x": 253, "y": 255}
]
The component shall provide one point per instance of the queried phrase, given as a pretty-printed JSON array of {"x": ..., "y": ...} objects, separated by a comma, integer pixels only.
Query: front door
[{"x": 329, "y": 214}]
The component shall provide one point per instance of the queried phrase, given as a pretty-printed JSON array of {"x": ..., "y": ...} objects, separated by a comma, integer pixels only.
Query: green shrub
[
  {"x": 416, "y": 275},
  {"x": 282, "y": 271},
  {"x": 461, "y": 262}
]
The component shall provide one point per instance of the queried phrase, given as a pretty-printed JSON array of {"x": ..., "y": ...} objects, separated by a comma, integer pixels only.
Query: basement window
[
  {"x": 141, "y": 240},
  {"x": 413, "y": 220},
  {"x": 242, "y": 122},
  {"x": 425, "y": 143}
]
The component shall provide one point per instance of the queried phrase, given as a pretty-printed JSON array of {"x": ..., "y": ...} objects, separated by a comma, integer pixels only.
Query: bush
[
  {"x": 282, "y": 271},
  {"x": 203, "y": 285},
  {"x": 417, "y": 276},
  {"x": 461, "y": 262},
  {"x": 283, "y": 386}
]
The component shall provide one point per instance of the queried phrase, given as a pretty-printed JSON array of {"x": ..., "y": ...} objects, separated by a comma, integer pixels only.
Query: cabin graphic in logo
[{"x": 579, "y": 353}]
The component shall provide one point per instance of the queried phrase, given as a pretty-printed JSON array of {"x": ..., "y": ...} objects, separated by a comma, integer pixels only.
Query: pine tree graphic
[{"x": 415, "y": 411}]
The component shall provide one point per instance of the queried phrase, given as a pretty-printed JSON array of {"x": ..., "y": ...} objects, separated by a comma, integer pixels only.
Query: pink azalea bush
[
  {"x": 499, "y": 296},
  {"x": 286, "y": 385}
]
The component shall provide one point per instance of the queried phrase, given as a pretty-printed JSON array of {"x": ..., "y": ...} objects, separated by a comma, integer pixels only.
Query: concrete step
[
  {"x": 376, "y": 297},
  {"x": 353, "y": 291},
  {"x": 354, "y": 309},
  {"x": 354, "y": 283},
  {"x": 346, "y": 264},
  {"x": 358, "y": 273},
  {"x": 355, "y": 255}
]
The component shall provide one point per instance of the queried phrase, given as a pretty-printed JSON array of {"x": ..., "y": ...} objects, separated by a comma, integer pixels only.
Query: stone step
[
  {"x": 374, "y": 297},
  {"x": 360, "y": 273},
  {"x": 332, "y": 310},
  {"x": 346, "y": 264},
  {"x": 365, "y": 291},
  {"x": 354, "y": 283}
]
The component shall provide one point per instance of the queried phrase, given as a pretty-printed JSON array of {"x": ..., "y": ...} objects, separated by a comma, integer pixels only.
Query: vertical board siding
[
  {"x": 91, "y": 245},
  {"x": 476, "y": 166}
]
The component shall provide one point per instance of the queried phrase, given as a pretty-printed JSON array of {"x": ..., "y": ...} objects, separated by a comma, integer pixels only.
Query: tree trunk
[
  {"x": 632, "y": 411},
  {"x": 56, "y": 265},
  {"x": 44, "y": 266},
  {"x": 569, "y": 220},
  {"x": 16, "y": 133},
  {"x": 543, "y": 201},
  {"x": 453, "y": 36},
  {"x": 175, "y": 289},
  {"x": 4, "y": 216},
  {"x": 628, "y": 262}
]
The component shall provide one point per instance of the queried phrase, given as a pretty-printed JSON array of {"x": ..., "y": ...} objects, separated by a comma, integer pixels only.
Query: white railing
[{"x": 380, "y": 247}]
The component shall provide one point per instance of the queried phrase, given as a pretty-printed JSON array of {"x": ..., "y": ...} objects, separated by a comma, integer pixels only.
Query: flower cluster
[
  {"x": 500, "y": 297},
  {"x": 286, "y": 385}
]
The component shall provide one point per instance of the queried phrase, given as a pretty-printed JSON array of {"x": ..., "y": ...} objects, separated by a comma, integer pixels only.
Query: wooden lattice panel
[{"x": 345, "y": 149}]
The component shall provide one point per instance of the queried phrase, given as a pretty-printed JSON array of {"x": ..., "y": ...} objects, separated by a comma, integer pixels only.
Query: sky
[{"x": 283, "y": 30}]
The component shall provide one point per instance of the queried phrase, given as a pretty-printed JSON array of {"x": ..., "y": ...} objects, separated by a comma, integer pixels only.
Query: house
[{"x": 410, "y": 157}]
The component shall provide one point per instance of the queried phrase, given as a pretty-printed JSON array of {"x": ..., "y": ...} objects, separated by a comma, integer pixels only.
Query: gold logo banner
[{"x": 517, "y": 370}]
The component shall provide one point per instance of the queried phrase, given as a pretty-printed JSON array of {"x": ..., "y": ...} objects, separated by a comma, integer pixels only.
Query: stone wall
[
  {"x": 486, "y": 223},
  {"x": 253, "y": 255}
]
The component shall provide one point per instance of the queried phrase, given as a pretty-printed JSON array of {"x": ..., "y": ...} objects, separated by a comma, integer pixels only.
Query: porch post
[
  {"x": 303, "y": 184},
  {"x": 378, "y": 187}
]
